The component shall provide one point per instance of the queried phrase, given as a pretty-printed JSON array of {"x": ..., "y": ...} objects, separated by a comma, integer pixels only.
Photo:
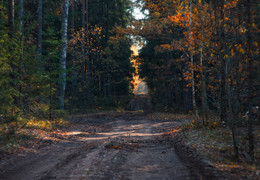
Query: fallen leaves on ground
[{"x": 216, "y": 146}]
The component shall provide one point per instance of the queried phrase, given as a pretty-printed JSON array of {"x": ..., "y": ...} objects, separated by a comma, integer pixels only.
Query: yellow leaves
[
  {"x": 232, "y": 52},
  {"x": 196, "y": 11},
  {"x": 242, "y": 51},
  {"x": 256, "y": 44},
  {"x": 157, "y": 14}
]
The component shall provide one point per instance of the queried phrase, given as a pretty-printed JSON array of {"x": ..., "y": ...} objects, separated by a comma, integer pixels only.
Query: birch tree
[
  {"x": 194, "y": 105},
  {"x": 202, "y": 74},
  {"x": 250, "y": 78},
  {"x": 21, "y": 14},
  {"x": 64, "y": 38}
]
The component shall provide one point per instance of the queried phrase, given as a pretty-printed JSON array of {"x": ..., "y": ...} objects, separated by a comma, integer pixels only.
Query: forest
[{"x": 198, "y": 58}]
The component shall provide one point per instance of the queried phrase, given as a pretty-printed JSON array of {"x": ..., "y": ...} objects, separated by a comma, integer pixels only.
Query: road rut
[{"x": 117, "y": 147}]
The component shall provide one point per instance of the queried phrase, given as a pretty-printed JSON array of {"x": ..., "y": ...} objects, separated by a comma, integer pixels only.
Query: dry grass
[{"x": 14, "y": 136}]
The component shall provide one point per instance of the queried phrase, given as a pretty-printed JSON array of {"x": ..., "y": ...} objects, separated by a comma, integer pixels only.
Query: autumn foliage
[{"x": 202, "y": 56}]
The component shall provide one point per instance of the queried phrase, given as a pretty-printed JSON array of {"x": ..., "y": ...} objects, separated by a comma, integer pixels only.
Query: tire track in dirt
[{"x": 123, "y": 147}]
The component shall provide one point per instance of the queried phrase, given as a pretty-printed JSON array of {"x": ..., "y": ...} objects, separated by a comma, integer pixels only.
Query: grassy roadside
[
  {"x": 19, "y": 135},
  {"x": 26, "y": 133}
]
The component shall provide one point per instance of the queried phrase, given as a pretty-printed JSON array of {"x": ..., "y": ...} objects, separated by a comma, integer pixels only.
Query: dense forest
[
  {"x": 64, "y": 55},
  {"x": 203, "y": 56},
  {"x": 196, "y": 56}
]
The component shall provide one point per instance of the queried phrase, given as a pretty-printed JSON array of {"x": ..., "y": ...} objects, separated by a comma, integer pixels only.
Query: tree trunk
[
  {"x": 74, "y": 73},
  {"x": 108, "y": 65},
  {"x": 87, "y": 28},
  {"x": 73, "y": 16},
  {"x": 108, "y": 81},
  {"x": 63, "y": 58},
  {"x": 40, "y": 29},
  {"x": 83, "y": 46},
  {"x": 223, "y": 101},
  {"x": 21, "y": 15},
  {"x": 87, "y": 13},
  {"x": 231, "y": 112},
  {"x": 12, "y": 60},
  {"x": 83, "y": 13},
  {"x": 194, "y": 105},
  {"x": 88, "y": 74},
  {"x": 250, "y": 79},
  {"x": 203, "y": 82},
  {"x": 11, "y": 17},
  {"x": 104, "y": 85}
]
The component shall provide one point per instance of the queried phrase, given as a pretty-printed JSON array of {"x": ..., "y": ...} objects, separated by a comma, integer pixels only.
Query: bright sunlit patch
[
  {"x": 73, "y": 133},
  {"x": 173, "y": 131},
  {"x": 140, "y": 86},
  {"x": 138, "y": 14}
]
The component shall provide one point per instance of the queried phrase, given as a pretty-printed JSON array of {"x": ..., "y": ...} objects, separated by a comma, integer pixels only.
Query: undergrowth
[
  {"x": 20, "y": 131},
  {"x": 214, "y": 142}
]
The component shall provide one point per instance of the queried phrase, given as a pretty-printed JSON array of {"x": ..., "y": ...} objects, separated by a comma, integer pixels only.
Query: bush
[{"x": 199, "y": 124}]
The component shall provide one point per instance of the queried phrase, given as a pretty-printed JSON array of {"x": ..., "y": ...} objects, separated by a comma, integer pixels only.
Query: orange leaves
[
  {"x": 174, "y": 131},
  {"x": 58, "y": 12},
  {"x": 231, "y": 4},
  {"x": 87, "y": 41},
  {"x": 177, "y": 18},
  {"x": 135, "y": 60},
  {"x": 152, "y": 6},
  {"x": 121, "y": 33},
  {"x": 164, "y": 47}
]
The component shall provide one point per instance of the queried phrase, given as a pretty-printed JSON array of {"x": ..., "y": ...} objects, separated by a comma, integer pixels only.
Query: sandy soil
[{"x": 126, "y": 146}]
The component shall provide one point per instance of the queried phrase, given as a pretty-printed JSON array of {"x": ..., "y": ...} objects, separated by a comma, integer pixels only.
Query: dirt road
[{"x": 124, "y": 146}]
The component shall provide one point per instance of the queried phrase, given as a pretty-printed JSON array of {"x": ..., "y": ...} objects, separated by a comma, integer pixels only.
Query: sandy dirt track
[{"x": 126, "y": 146}]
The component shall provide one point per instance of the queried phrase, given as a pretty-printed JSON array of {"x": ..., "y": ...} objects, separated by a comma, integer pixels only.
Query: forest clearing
[{"x": 129, "y": 89}]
